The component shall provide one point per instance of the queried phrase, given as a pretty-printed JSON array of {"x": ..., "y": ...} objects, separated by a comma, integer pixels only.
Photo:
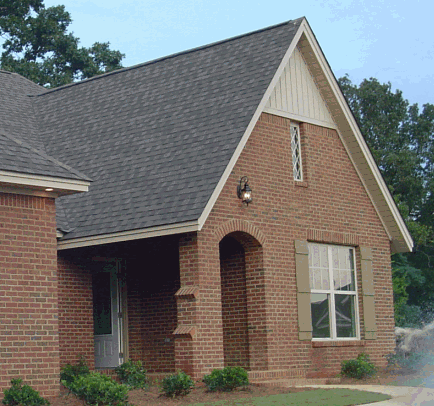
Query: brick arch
[
  {"x": 242, "y": 271},
  {"x": 243, "y": 226}
]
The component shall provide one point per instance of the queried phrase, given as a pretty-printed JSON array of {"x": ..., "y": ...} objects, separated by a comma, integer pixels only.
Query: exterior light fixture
[
  {"x": 243, "y": 190},
  {"x": 49, "y": 189}
]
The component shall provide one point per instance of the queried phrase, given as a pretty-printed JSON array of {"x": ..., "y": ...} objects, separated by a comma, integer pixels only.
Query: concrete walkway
[{"x": 401, "y": 395}]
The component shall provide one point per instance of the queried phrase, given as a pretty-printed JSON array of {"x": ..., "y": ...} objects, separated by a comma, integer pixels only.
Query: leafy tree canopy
[
  {"x": 38, "y": 46},
  {"x": 401, "y": 139}
]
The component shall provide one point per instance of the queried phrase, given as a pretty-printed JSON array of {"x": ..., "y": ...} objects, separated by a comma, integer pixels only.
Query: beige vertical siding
[{"x": 296, "y": 92}]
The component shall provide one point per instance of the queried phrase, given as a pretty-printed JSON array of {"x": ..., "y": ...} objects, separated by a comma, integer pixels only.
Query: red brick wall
[
  {"x": 330, "y": 206},
  {"x": 29, "y": 346},
  {"x": 159, "y": 322},
  {"x": 152, "y": 281},
  {"x": 75, "y": 313},
  {"x": 234, "y": 304}
]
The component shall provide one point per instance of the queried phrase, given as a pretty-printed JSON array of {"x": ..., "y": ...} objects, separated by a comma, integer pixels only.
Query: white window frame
[
  {"x": 332, "y": 292},
  {"x": 297, "y": 172}
]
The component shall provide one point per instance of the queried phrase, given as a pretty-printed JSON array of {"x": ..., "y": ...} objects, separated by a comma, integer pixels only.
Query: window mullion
[{"x": 332, "y": 296}]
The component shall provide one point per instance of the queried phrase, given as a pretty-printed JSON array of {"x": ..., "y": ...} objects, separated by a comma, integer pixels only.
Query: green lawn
[{"x": 318, "y": 397}]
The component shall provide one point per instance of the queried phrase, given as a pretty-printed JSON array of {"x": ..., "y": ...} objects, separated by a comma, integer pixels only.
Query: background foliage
[
  {"x": 38, "y": 46},
  {"x": 401, "y": 139}
]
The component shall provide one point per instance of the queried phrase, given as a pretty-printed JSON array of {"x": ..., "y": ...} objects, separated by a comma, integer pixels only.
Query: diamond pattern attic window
[{"x": 296, "y": 152}]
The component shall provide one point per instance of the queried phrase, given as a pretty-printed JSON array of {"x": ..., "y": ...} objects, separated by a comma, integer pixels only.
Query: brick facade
[
  {"x": 29, "y": 341},
  {"x": 235, "y": 282},
  {"x": 234, "y": 304},
  {"x": 75, "y": 312},
  {"x": 329, "y": 206},
  {"x": 227, "y": 295}
]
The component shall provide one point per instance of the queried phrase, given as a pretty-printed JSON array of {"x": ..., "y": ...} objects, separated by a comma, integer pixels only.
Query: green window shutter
[
  {"x": 368, "y": 293},
  {"x": 303, "y": 290}
]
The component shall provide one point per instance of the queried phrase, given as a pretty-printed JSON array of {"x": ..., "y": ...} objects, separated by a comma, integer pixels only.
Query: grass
[{"x": 318, "y": 397}]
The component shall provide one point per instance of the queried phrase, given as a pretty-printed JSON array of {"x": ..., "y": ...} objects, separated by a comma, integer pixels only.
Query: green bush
[
  {"x": 69, "y": 372},
  {"x": 358, "y": 368},
  {"x": 132, "y": 374},
  {"x": 96, "y": 389},
  {"x": 22, "y": 395},
  {"x": 226, "y": 379},
  {"x": 179, "y": 384}
]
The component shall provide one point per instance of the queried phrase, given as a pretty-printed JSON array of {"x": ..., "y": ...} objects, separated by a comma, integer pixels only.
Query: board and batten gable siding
[{"x": 297, "y": 96}]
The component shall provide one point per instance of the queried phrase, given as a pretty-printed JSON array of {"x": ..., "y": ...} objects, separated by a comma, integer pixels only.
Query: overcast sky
[{"x": 389, "y": 40}]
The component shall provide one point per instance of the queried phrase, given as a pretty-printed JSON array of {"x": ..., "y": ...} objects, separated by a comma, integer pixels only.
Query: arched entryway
[{"x": 243, "y": 302}]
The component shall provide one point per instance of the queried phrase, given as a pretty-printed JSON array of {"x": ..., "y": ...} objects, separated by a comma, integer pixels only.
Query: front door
[{"x": 107, "y": 316}]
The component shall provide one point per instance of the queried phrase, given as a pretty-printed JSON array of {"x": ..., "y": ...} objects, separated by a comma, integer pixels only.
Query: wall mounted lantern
[{"x": 243, "y": 190}]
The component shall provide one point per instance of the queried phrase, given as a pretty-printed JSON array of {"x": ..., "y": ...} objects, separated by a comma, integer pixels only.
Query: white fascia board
[
  {"x": 158, "y": 231},
  {"x": 37, "y": 183},
  {"x": 361, "y": 143},
  {"x": 250, "y": 127}
]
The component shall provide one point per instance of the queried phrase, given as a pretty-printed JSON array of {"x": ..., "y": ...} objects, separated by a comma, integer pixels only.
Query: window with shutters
[
  {"x": 296, "y": 152},
  {"x": 333, "y": 286}
]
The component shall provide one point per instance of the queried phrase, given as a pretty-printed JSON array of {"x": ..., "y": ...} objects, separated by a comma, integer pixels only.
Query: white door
[{"x": 107, "y": 316}]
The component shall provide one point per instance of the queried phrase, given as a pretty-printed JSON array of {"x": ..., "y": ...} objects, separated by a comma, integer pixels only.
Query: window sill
[
  {"x": 301, "y": 183},
  {"x": 355, "y": 343}
]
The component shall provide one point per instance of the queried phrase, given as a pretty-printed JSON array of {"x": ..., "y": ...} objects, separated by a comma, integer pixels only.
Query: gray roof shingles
[
  {"x": 156, "y": 138},
  {"x": 21, "y": 148}
]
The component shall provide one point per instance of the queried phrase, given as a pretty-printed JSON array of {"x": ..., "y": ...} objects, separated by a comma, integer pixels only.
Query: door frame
[{"x": 122, "y": 307}]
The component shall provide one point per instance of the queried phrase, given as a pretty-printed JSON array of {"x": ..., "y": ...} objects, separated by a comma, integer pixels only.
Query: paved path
[{"x": 402, "y": 395}]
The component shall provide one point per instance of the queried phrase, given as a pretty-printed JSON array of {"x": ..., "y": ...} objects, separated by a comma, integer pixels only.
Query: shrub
[
  {"x": 97, "y": 389},
  {"x": 69, "y": 372},
  {"x": 132, "y": 374},
  {"x": 179, "y": 384},
  {"x": 22, "y": 395},
  {"x": 226, "y": 379},
  {"x": 358, "y": 368}
]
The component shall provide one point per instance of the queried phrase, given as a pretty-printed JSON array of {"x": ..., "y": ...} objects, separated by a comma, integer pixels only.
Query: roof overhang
[
  {"x": 38, "y": 185},
  {"x": 150, "y": 232}
]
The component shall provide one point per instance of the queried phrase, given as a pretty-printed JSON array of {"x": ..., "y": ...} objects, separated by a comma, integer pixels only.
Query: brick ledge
[{"x": 320, "y": 344}]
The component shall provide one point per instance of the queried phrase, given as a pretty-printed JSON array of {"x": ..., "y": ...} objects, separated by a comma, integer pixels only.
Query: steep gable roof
[
  {"x": 157, "y": 138},
  {"x": 160, "y": 139}
]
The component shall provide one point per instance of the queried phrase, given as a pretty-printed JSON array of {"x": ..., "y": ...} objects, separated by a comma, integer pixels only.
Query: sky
[{"x": 392, "y": 41}]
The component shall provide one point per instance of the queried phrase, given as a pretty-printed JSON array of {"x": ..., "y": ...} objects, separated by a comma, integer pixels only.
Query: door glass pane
[
  {"x": 345, "y": 316},
  {"x": 102, "y": 309},
  {"x": 320, "y": 306}
]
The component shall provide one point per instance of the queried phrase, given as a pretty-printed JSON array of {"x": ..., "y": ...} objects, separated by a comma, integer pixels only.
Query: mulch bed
[{"x": 152, "y": 396}]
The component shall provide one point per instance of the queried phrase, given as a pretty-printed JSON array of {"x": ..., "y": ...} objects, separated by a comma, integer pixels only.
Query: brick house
[{"x": 123, "y": 233}]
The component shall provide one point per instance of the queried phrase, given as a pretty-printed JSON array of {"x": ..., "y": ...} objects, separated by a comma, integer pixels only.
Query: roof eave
[
  {"x": 40, "y": 185},
  {"x": 109, "y": 238}
]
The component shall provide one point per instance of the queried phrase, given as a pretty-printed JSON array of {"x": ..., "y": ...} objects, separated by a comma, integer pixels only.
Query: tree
[
  {"x": 38, "y": 46},
  {"x": 401, "y": 139}
]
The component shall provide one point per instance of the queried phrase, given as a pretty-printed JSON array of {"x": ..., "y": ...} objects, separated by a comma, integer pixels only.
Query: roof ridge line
[
  {"x": 45, "y": 155},
  {"x": 121, "y": 70},
  {"x": 27, "y": 79}
]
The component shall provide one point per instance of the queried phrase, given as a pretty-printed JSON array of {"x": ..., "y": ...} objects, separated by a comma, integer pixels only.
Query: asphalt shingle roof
[
  {"x": 156, "y": 138},
  {"x": 21, "y": 148}
]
